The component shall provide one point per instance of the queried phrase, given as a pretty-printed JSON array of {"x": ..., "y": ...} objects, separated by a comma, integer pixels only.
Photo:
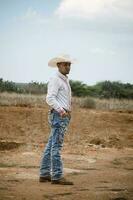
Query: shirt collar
[{"x": 62, "y": 76}]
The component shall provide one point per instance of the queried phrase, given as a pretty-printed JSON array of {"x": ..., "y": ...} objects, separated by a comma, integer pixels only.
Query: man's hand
[{"x": 65, "y": 114}]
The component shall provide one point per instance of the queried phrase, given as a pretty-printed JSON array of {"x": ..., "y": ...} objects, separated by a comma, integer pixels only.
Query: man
[{"x": 59, "y": 99}]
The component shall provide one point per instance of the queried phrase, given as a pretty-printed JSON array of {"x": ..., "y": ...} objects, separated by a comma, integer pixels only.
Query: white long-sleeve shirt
[{"x": 59, "y": 93}]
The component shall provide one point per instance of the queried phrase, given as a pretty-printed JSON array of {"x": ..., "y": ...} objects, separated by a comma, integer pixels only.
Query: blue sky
[{"x": 98, "y": 33}]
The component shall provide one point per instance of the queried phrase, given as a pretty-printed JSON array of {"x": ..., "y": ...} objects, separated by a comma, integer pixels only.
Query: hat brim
[{"x": 53, "y": 62}]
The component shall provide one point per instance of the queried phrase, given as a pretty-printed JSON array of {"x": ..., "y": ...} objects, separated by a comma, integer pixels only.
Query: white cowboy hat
[{"x": 61, "y": 58}]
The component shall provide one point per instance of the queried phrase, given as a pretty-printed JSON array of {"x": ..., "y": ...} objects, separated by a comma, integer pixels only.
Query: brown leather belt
[
  {"x": 63, "y": 108},
  {"x": 67, "y": 111}
]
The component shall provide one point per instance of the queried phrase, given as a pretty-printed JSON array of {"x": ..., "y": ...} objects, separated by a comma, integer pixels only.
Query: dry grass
[
  {"x": 114, "y": 104},
  {"x": 27, "y": 100},
  {"x": 107, "y": 104}
]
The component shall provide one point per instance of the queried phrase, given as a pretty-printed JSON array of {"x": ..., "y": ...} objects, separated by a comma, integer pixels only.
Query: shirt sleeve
[{"x": 52, "y": 92}]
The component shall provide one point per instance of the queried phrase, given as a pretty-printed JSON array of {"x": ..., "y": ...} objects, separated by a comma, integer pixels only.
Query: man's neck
[{"x": 62, "y": 75}]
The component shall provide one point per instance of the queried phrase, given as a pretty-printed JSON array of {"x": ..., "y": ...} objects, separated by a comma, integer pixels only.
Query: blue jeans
[{"x": 51, "y": 162}]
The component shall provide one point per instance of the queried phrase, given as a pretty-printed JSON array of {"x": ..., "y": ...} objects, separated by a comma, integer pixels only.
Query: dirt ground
[{"x": 97, "y": 155}]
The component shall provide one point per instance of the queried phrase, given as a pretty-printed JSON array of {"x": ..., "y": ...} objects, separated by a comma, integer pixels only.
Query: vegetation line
[{"x": 105, "y": 89}]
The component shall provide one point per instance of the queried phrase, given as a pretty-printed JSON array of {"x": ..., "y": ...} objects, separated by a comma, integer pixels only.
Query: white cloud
[
  {"x": 32, "y": 16},
  {"x": 124, "y": 8},
  {"x": 102, "y": 51},
  {"x": 94, "y": 8},
  {"x": 80, "y": 8}
]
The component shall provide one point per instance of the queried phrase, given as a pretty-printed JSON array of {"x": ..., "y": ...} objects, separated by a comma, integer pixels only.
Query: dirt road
[{"x": 97, "y": 155}]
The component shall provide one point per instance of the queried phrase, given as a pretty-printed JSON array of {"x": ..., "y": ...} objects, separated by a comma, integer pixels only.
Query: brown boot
[
  {"x": 62, "y": 181},
  {"x": 44, "y": 179}
]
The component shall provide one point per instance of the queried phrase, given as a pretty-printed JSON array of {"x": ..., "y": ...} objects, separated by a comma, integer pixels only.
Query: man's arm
[{"x": 52, "y": 92}]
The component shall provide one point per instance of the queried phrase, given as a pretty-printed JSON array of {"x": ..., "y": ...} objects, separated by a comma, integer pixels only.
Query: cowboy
[{"x": 59, "y": 99}]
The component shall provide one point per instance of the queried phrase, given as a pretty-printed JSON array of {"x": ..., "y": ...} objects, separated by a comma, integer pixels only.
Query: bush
[{"x": 88, "y": 102}]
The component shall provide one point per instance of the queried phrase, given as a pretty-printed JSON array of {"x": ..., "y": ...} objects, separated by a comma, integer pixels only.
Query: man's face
[{"x": 64, "y": 67}]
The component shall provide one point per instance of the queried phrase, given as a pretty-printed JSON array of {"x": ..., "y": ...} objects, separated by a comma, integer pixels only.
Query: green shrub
[{"x": 87, "y": 102}]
